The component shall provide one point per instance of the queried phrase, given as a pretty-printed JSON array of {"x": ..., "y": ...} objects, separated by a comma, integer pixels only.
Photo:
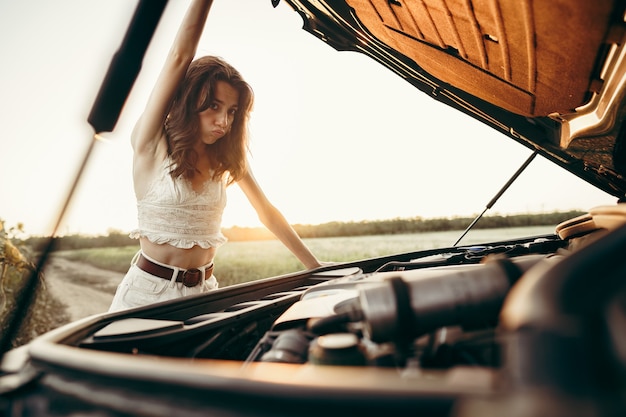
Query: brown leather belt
[{"x": 189, "y": 277}]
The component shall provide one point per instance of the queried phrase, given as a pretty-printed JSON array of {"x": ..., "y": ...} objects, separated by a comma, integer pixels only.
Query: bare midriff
[{"x": 193, "y": 257}]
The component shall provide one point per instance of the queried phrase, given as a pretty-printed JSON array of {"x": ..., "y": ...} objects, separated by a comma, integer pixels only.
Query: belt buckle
[{"x": 191, "y": 277}]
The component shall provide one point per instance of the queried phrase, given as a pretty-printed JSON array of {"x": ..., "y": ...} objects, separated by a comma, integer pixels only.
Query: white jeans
[{"x": 139, "y": 288}]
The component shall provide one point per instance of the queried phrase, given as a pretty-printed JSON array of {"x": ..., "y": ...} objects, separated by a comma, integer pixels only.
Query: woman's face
[{"x": 217, "y": 120}]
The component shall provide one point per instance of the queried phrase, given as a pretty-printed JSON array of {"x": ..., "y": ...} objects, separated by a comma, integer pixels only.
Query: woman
[{"x": 189, "y": 144}]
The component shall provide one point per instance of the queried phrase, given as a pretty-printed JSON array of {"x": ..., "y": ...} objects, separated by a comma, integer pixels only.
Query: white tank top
[{"x": 173, "y": 212}]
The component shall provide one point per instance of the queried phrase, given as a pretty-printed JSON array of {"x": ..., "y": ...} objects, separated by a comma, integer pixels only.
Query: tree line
[{"x": 330, "y": 229}]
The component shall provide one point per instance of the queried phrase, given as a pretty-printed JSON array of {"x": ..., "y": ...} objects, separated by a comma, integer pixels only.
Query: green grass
[
  {"x": 114, "y": 259},
  {"x": 238, "y": 262}
]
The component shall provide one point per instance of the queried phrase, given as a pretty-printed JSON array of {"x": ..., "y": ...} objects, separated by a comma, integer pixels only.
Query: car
[{"x": 523, "y": 327}]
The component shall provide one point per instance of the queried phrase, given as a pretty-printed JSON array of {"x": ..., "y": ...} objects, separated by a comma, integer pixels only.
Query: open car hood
[
  {"x": 549, "y": 74},
  {"x": 517, "y": 327}
]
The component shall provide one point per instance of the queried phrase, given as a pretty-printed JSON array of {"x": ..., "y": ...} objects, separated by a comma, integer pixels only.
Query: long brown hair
[{"x": 194, "y": 95}]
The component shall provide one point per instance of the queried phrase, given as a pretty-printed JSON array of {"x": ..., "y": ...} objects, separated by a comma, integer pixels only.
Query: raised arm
[
  {"x": 276, "y": 222},
  {"x": 147, "y": 139}
]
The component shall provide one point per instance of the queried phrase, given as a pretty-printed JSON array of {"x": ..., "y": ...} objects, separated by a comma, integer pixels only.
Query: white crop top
[{"x": 173, "y": 212}]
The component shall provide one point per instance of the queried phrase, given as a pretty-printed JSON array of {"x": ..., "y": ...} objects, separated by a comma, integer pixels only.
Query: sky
[{"x": 334, "y": 135}]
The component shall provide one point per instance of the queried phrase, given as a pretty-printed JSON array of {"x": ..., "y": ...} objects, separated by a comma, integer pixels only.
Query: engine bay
[
  {"x": 437, "y": 310},
  {"x": 441, "y": 332}
]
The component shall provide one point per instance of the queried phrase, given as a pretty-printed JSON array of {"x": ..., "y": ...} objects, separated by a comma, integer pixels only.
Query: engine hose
[{"x": 412, "y": 304}]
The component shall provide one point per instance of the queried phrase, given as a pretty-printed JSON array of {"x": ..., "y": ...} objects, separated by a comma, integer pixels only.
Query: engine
[{"x": 434, "y": 317}]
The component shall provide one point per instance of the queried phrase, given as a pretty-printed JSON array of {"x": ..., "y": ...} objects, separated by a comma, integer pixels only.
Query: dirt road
[{"x": 82, "y": 288}]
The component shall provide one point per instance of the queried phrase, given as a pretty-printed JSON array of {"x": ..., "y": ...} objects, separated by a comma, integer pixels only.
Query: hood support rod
[
  {"x": 499, "y": 194},
  {"x": 105, "y": 112}
]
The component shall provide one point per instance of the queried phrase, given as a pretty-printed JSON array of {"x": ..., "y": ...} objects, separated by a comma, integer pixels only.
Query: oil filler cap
[{"x": 339, "y": 349}]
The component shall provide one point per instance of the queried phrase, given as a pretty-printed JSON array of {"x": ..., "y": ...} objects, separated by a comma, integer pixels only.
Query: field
[{"x": 238, "y": 262}]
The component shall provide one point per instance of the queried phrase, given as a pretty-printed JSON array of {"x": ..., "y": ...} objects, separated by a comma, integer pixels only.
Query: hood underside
[{"x": 549, "y": 74}]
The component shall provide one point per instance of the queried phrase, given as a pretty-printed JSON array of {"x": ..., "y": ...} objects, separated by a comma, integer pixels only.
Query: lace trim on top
[{"x": 173, "y": 212}]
